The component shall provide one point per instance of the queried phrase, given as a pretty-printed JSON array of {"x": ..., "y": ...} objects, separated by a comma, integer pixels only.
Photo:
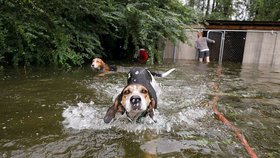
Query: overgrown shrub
[{"x": 71, "y": 32}]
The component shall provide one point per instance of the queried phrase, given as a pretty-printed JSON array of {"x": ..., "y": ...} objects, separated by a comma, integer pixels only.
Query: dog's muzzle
[
  {"x": 135, "y": 105},
  {"x": 135, "y": 102},
  {"x": 93, "y": 67}
]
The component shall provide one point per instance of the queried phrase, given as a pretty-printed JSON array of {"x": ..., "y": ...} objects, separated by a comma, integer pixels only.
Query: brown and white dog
[
  {"x": 138, "y": 98},
  {"x": 100, "y": 65}
]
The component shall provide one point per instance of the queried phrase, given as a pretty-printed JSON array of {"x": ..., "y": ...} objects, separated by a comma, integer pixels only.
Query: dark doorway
[
  {"x": 215, "y": 48},
  {"x": 233, "y": 48}
]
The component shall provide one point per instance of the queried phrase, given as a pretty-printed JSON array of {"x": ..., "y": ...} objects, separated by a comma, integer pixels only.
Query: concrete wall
[
  {"x": 262, "y": 48},
  {"x": 276, "y": 56},
  {"x": 185, "y": 51}
]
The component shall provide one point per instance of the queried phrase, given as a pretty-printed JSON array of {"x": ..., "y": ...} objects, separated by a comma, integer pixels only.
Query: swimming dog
[
  {"x": 138, "y": 98},
  {"x": 101, "y": 66}
]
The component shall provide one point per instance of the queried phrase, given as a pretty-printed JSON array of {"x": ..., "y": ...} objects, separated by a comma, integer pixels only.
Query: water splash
[
  {"x": 82, "y": 116},
  {"x": 177, "y": 107},
  {"x": 90, "y": 116}
]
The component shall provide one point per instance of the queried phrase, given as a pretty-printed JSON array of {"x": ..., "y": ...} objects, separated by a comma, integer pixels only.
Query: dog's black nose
[{"x": 135, "y": 101}]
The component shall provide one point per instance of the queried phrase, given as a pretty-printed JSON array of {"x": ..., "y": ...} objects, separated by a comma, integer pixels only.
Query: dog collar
[{"x": 143, "y": 114}]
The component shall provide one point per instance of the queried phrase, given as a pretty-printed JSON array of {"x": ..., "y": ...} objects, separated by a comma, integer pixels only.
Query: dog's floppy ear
[
  {"x": 111, "y": 112},
  {"x": 152, "y": 104},
  {"x": 151, "y": 108},
  {"x": 153, "y": 97}
]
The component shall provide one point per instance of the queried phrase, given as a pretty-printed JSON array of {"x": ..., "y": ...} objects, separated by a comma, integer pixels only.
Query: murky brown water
[{"x": 54, "y": 113}]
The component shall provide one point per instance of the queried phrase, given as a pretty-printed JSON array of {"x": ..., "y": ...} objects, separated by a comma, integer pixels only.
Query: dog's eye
[
  {"x": 126, "y": 91},
  {"x": 144, "y": 91}
]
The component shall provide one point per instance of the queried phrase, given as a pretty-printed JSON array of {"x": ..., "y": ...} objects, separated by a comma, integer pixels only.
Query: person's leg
[
  {"x": 200, "y": 56},
  {"x": 207, "y": 59}
]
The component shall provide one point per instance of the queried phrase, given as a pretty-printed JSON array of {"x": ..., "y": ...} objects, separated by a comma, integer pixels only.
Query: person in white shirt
[{"x": 202, "y": 46}]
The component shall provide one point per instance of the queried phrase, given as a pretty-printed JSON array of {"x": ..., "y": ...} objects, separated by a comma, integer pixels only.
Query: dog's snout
[{"x": 135, "y": 101}]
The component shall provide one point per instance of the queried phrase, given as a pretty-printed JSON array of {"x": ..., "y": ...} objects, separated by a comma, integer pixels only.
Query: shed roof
[{"x": 242, "y": 25}]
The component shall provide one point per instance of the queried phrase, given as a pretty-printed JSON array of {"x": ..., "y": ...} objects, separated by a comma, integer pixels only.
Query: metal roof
[{"x": 242, "y": 25}]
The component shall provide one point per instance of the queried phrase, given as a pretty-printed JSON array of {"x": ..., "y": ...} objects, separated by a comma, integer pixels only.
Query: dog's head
[
  {"x": 135, "y": 100},
  {"x": 97, "y": 63}
]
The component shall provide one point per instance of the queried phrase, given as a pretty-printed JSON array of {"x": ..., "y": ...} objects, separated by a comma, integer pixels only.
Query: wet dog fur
[{"x": 138, "y": 98}]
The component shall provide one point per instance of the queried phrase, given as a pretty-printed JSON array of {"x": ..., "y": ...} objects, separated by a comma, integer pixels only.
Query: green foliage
[
  {"x": 70, "y": 32},
  {"x": 44, "y": 32},
  {"x": 265, "y": 10},
  {"x": 145, "y": 23},
  {"x": 256, "y": 10}
]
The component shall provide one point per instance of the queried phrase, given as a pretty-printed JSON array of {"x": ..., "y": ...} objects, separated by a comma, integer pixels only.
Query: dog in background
[
  {"x": 101, "y": 66},
  {"x": 138, "y": 98}
]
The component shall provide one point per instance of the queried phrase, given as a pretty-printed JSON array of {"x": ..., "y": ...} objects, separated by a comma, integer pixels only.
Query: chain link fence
[{"x": 243, "y": 46}]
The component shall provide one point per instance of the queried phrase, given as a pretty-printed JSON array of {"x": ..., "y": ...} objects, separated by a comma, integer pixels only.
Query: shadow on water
[{"x": 52, "y": 113}]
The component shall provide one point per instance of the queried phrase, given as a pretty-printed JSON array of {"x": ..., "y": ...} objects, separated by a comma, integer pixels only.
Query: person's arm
[
  {"x": 210, "y": 40},
  {"x": 196, "y": 45}
]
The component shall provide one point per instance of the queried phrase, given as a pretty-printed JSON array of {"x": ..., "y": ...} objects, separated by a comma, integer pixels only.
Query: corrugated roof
[{"x": 242, "y": 25}]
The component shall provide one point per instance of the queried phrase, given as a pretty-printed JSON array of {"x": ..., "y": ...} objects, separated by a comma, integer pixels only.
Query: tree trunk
[
  {"x": 213, "y": 5},
  {"x": 203, "y": 6},
  {"x": 208, "y": 7},
  {"x": 191, "y": 3}
]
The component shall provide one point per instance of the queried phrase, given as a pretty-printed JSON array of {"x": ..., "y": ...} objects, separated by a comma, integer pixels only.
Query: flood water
[{"x": 56, "y": 113}]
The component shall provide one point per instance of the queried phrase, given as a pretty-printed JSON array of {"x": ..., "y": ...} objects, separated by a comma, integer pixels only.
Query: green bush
[{"x": 70, "y": 33}]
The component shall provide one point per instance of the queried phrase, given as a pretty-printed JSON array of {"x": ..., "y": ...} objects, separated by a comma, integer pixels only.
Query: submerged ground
[{"x": 54, "y": 113}]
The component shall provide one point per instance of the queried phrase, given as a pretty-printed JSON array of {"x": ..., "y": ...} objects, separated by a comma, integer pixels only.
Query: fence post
[
  {"x": 222, "y": 47},
  {"x": 221, "y": 44},
  {"x": 174, "y": 52},
  {"x": 274, "y": 49}
]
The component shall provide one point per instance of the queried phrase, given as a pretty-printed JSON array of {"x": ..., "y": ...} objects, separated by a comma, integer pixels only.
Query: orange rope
[{"x": 222, "y": 118}]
